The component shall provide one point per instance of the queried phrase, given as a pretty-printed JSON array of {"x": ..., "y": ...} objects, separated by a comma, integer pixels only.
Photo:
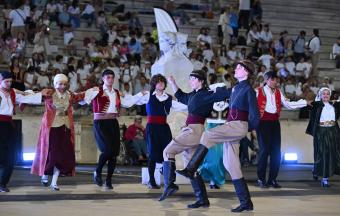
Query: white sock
[
  {"x": 212, "y": 182},
  {"x": 56, "y": 173},
  {"x": 44, "y": 178}
]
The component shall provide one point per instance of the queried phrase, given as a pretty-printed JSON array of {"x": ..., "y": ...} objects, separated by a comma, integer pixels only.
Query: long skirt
[
  {"x": 212, "y": 168},
  {"x": 60, "y": 152},
  {"x": 107, "y": 135},
  {"x": 327, "y": 151},
  {"x": 158, "y": 136}
]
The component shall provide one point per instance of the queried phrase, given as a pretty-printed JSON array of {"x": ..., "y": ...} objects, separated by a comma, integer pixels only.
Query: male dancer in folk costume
[
  {"x": 270, "y": 100},
  {"x": 55, "y": 153},
  {"x": 200, "y": 103},
  {"x": 243, "y": 115},
  {"x": 106, "y": 103},
  {"x": 8, "y": 98},
  {"x": 158, "y": 133}
]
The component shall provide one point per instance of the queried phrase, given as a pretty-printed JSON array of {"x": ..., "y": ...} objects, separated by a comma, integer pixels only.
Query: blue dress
[
  {"x": 158, "y": 136},
  {"x": 212, "y": 168}
]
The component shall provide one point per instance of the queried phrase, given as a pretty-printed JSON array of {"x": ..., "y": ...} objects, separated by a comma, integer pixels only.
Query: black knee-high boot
[
  {"x": 194, "y": 163},
  {"x": 200, "y": 193},
  {"x": 111, "y": 165},
  {"x": 169, "y": 174},
  {"x": 97, "y": 176},
  {"x": 151, "y": 168},
  {"x": 243, "y": 195}
]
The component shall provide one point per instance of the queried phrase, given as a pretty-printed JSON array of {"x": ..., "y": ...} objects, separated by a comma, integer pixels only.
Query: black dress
[
  {"x": 326, "y": 141},
  {"x": 158, "y": 136}
]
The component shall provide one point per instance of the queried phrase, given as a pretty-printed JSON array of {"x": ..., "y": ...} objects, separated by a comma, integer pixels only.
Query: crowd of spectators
[{"x": 122, "y": 44}]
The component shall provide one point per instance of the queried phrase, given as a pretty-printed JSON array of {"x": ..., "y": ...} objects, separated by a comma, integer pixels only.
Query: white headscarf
[
  {"x": 58, "y": 78},
  {"x": 319, "y": 95}
]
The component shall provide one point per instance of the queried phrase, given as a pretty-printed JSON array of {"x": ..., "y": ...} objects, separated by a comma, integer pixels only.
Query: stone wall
[{"x": 294, "y": 139}]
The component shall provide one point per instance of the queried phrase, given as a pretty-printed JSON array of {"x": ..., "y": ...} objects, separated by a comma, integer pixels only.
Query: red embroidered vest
[
  {"x": 102, "y": 102},
  {"x": 262, "y": 100}
]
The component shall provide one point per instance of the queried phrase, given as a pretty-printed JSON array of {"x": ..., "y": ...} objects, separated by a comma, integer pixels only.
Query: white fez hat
[{"x": 59, "y": 78}]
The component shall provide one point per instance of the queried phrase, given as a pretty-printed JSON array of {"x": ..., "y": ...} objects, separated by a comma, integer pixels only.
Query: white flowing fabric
[{"x": 173, "y": 60}]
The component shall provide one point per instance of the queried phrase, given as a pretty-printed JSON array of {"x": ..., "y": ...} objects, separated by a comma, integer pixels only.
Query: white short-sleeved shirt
[{"x": 17, "y": 17}]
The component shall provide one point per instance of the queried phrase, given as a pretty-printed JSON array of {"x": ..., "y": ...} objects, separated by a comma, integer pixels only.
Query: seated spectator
[
  {"x": 20, "y": 44},
  {"x": 59, "y": 63},
  {"x": 204, "y": 37},
  {"x": 141, "y": 85},
  {"x": 211, "y": 67},
  {"x": 124, "y": 51},
  {"x": 41, "y": 41},
  {"x": 134, "y": 23},
  {"x": 266, "y": 37},
  {"x": 113, "y": 19},
  {"x": 290, "y": 66},
  {"x": 18, "y": 74},
  {"x": 232, "y": 54},
  {"x": 150, "y": 51},
  {"x": 63, "y": 17},
  {"x": 43, "y": 63},
  {"x": 73, "y": 78},
  {"x": 308, "y": 66},
  {"x": 74, "y": 12},
  {"x": 266, "y": 59},
  {"x": 112, "y": 34},
  {"x": 135, "y": 48},
  {"x": 336, "y": 53},
  {"x": 197, "y": 61},
  {"x": 289, "y": 49},
  {"x": 68, "y": 40},
  {"x": 30, "y": 79},
  {"x": 262, "y": 70},
  {"x": 101, "y": 22},
  {"x": 146, "y": 70},
  {"x": 280, "y": 44},
  {"x": 82, "y": 75},
  {"x": 212, "y": 78},
  {"x": 88, "y": 14},
  {"x": 126, "y": 75},
  {"x": 223, "y": 55},
  {"x": 253, "y": 39},
  {"x": 135, "y": 135},
  {"x": 290, "y": 88},
  {"x": 43, "y": 80},
  {"x": 301, "y": 68},
  {"x": 208, "y": 54},
  {"x": 126, "y": 90},
  {"x": 52, "y": 11},
  {"x": 313, "y": 85},
  {"x": 328, "y": 83}
]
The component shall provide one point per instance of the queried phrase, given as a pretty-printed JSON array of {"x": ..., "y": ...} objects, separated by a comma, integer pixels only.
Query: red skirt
[{"x": 60, "y": 152}]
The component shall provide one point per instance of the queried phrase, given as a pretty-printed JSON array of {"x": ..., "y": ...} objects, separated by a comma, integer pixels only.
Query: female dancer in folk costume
[
  {"x": 55, "y": 154},
  {"x": 158, "y": 133},
  {"x": 106, "y": 103},
  {"x": 325, "y": 130},
  {"x": 8, "y": 99},
  {"x": 200, "y": 103}
]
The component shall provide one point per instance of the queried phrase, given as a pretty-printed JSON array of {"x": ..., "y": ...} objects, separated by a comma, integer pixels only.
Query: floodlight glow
[
  {"x": 28, "y": 156},
  {"x": 290, "y": 157}
]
